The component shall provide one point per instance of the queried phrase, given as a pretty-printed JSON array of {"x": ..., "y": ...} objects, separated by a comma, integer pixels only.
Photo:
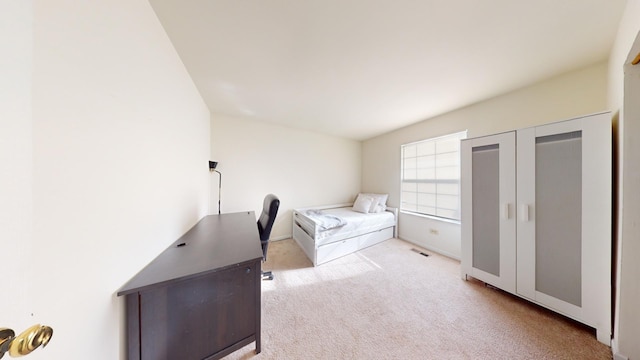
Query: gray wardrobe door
[
  {"x": 486, "y": 197},
  {"x": 558, "y": 214}
]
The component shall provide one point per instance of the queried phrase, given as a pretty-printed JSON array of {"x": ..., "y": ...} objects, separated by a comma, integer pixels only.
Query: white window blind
[{"x": 431, "y": 176}]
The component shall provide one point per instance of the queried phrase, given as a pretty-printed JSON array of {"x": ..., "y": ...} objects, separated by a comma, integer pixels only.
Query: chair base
[{"x": 267, "y": 275}]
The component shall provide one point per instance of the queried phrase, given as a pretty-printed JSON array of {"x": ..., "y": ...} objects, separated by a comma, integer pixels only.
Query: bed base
[{"x": 333, "y": 250}]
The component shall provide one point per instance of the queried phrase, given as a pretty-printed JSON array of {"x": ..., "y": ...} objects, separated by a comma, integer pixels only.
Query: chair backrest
[{"x": 265, "y": 221}]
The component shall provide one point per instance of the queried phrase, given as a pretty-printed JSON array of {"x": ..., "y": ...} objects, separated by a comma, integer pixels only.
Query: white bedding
[
  {"x": 325, "y": 221},
  {"x": 356, "y": 223}
]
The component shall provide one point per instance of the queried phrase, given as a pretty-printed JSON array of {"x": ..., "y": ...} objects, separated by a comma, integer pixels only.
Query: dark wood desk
[{"x": 200, "y": 300}]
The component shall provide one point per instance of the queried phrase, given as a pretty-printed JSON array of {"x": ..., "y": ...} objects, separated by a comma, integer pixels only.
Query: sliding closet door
[
  {"x": 564, "y": 214},
  {"x": 488, "y": 210}
]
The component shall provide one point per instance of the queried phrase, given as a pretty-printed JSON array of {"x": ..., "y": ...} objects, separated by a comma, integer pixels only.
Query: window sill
[{"x": 450, "y": 221}]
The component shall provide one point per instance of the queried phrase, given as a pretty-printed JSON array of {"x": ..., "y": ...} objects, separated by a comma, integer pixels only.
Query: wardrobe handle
[
  {"x": 525, "y": 212},
  {"x": 505, "y": 211}
]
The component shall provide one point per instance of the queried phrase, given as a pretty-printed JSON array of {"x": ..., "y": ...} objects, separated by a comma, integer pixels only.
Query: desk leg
[
  {"x": 258, "y": 277},
  {"x": 133, "y": 326}
]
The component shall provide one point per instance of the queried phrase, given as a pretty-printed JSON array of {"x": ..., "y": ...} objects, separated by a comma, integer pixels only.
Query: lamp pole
[
  {"x": 219, "y": 188},
  {"x": 212, "y": 167}
]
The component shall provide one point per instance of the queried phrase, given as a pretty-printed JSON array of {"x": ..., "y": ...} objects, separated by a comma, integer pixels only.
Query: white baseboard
[{"x": 614, "y": 350}]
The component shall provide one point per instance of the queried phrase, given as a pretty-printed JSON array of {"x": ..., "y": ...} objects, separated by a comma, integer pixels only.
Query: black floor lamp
[{"x": 212, "y": 168}]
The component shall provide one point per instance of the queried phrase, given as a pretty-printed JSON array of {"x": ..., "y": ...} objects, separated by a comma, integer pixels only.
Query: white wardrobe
[{"x": 536, "y": 216}]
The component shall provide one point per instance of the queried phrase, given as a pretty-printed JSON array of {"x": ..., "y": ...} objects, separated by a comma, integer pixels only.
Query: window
[{"x": 431, "y": 176}]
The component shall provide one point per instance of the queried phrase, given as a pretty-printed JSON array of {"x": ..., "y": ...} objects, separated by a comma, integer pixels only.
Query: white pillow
[
  {"x": 362, "y": 204},
  {"x": 374, "y": 202},
  {"x": 380, "y": 208},
  {"x": 380, "y": 199}
]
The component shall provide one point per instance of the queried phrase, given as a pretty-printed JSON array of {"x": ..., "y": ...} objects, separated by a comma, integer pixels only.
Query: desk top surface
[{"x": 216, "y": 242}]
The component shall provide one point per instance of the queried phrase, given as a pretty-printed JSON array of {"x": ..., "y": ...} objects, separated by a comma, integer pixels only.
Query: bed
[{"x": 329, "y": 232}]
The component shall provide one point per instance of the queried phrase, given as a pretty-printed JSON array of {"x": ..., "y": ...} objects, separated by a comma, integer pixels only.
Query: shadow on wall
[{"x": 282, "y": 226}]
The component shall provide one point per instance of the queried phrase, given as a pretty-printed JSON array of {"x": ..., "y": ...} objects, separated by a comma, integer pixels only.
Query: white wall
[
  {"x": 16, "y": 41},
  {"x": 627, "y": 31},
  {"x": 302, "y": 168},
  {"x": 103, "y": 141},
  {"x": 623, "y": 99},
  {"x": 573, "y": 94}
]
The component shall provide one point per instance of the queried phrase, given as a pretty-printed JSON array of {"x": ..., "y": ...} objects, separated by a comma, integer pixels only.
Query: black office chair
[{"x": 265, "y": 223}]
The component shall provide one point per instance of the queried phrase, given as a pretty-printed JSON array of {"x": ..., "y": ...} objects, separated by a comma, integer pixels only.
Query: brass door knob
[{"x": 26, "y": 342}]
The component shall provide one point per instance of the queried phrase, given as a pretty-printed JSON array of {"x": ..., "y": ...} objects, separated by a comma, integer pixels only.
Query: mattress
[{"x": 356, "y": 224}]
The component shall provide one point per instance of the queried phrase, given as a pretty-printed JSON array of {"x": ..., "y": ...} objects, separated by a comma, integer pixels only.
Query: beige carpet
[{"x": 388, "y": 302}]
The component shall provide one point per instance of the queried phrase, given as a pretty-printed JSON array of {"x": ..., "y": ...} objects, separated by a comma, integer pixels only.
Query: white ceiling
[{"x": 360, "y": 68}]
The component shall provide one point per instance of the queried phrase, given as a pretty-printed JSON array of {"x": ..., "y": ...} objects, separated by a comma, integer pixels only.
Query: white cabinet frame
[
  {"x": 517, "y": 209},
  {"x": 505, "y": 211},
  {"x": 595, "y": 309}
]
